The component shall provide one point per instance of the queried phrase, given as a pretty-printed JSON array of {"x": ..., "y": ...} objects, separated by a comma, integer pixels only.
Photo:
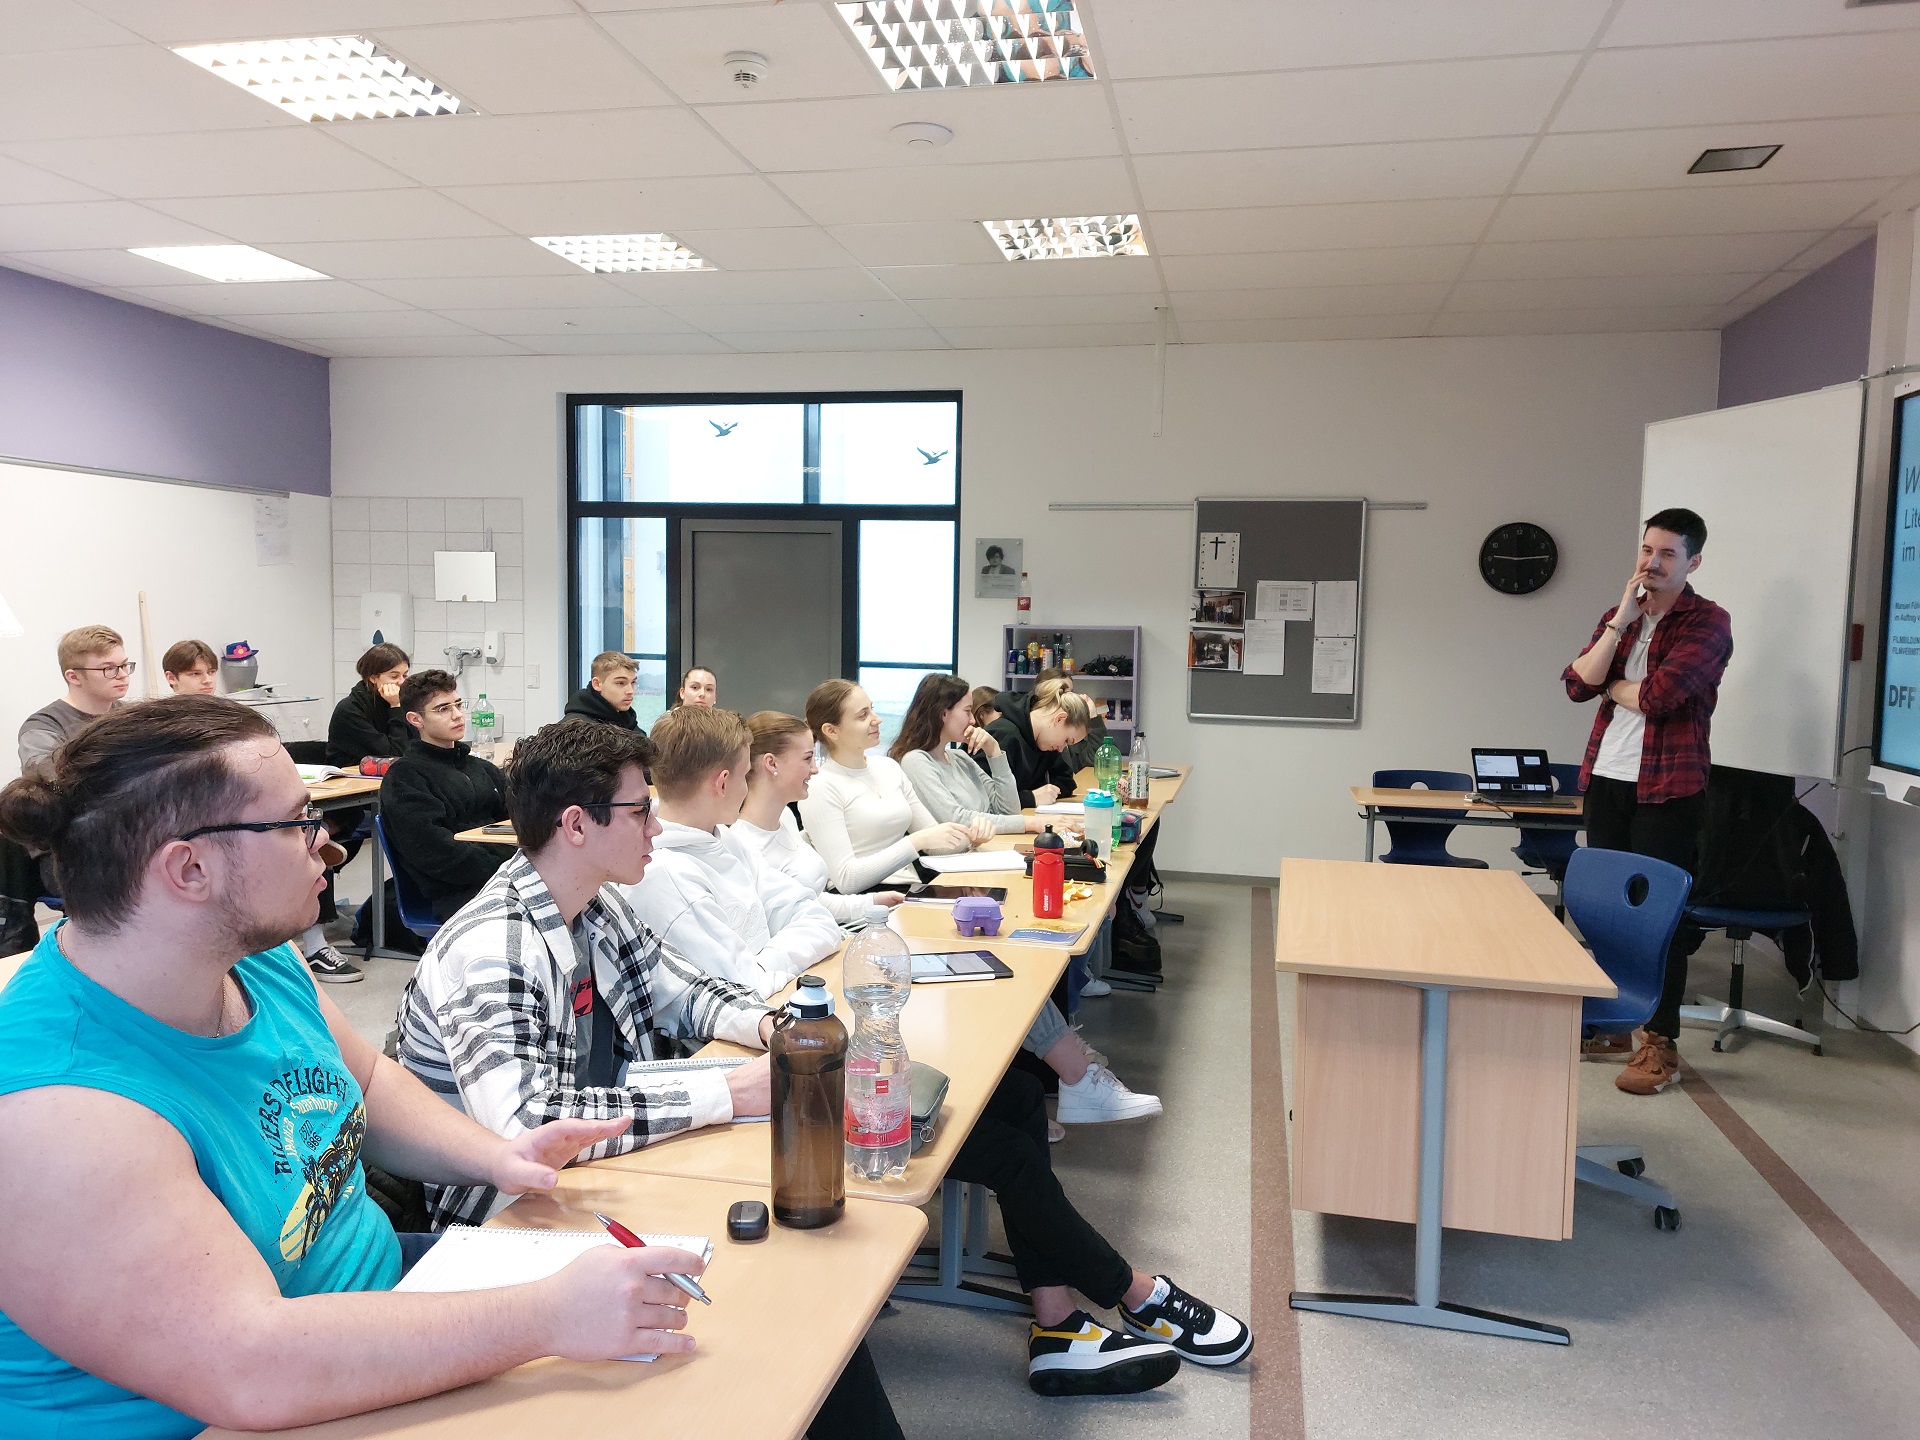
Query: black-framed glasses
[
  {"x": 643, "y": 806},
  {"x": 311, "y": 821},
  {"x": 113, "y": 672}
]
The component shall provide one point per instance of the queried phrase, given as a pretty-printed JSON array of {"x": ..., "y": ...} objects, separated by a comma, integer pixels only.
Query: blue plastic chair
[
  {"x": 1549, "y": 850},
  {"x": 1733, "y": 1016},
  {"x": 1420, "y": 837},
  {"x": 415, "y": 911},
  {"x": 1627, "y": 907}
]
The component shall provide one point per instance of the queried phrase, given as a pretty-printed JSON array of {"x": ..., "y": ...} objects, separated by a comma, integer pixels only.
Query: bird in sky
[
  {"x": 720, "y": 430},
  {"x": 933, "y": 457}
]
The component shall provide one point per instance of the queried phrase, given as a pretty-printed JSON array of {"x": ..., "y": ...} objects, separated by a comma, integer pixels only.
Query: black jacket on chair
[
  {"x": 364, "y": 724},
  {"x": 589, "y": 704},
  {"x": 1032, "y": 767},
  {"x": 428, "y": 797}
]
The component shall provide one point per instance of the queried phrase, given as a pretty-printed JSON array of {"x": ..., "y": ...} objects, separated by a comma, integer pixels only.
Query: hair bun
[{"x": 34, "y": 813}]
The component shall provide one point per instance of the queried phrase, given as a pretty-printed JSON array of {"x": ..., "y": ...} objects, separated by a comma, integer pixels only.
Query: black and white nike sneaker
[
  {"x": 1192, "y": 1327},
  {"x": 1081, "y": 1357}
]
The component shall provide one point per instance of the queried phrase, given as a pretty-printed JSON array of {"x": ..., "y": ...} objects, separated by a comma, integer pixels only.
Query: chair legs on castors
[
  {"x": 1619, "y": 1168},
  {"x": 1733, "y": 1016}
]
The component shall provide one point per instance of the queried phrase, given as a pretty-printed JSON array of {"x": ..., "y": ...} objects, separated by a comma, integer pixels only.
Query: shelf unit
[{"x": 1089, "y": 641}]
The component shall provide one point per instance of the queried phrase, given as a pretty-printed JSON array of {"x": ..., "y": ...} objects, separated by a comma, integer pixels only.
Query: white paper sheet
[
  {"x": 975, "y": 860},
  {"x": 1336, "y": 607},
  {"x": 1061, "y": 807},
  {"x": 1266, "y": 648},
  {"x": 271, "y": 543},
  {"x": 1219, "y": 560},
  {"x": 1283, "y": 600},
  {"x": 1333, "y": 665}
]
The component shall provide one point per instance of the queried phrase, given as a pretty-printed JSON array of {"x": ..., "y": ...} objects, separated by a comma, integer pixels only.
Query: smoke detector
[
  {"x": 921, "y": 135},
  {"x": 746, "y": 68}
]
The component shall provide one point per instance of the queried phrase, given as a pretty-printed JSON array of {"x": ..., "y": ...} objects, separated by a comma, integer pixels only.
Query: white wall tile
[
  {"x": 344, "y": 676},
  {"x": 464, "y": 540},
  {"x": 350, "y": 513},
  {"x": 389, "y": 547},
  {"x": 389, "y": 577},
  {"x": 509, "y": 582},
  {"x": 511, "y": 678},
  {"x": 503, "y": 615},
  {"x": 426, "y": 515},
  {"x": 429, "y": 615},
  {"x": 346, "y": 612},
  {"x": 510, "y": 547},
  {"x": 345, "y": 644},
  {"x": 422, "y": 543},
  {"x": 386, "y": 514},
  {"x": 503, "y": 515},
  {"x": 427, "y": 645},
  {"x": 466, "y": 615},
  {"x": 420, "y": 581},
  {"x": 350, "y": 547},
  {"x": 465, "y": 515},
  {"x": 351, "y": 579}
]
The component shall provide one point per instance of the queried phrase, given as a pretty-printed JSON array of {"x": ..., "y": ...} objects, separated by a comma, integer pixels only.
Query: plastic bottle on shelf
[
  {"x": 807, "y": 1060},
  {"x": 483, "y": 722},
  {"x": 1066, "y": 654},
  {"x": 1138, "y": 771},
  {"x": 876, "y": 978},
  {"x": 1025, "y": 598}
]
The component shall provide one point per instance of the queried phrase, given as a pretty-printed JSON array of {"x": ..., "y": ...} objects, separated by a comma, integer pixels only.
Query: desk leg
[
  {"x": 377, "y": 923},
  {"x": 1427, "y": 1308},
  {"x": 1370, "y": 817},
  {"x": 961, "y": 1253}
]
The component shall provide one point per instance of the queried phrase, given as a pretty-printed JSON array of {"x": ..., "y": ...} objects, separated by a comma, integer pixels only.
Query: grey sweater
[
  {"x": 47, "y": 729},
  {"x": 955, "y": 790}
]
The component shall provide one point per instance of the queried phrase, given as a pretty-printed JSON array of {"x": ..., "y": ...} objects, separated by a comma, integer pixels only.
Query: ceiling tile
[
  {"x": 963, "y": 192},
  {"x": 185, "y": 22},
  {"x": 810, "y": 52},
  {"x": 30, "y": 25},
  {"x": 1047, "y": 337},
  {"x": 120, "y": 90},
  {"x": 692, "y": 342},
  {"x": 1318, "y": 227},
  {"x": 1803, "y": 79},
  {"x": 1386, "y": 264},
  {"x": 1829, "y": 247},
  {"x": 427, "y": 259},
  {"x": 1317, "y": 327},
  {"x": 771, "y": 342},
  {"x": 1041, "y": 310},
  {"x": 619, "y": 207},
  {"x": 1645, "y": 255},
  {"x": 1307, "y": 301},
  {"x": 224, "y": 162},
  {"x": 360, "y": 215},
  {"x": 720, "y": 319},
  {"x": 355, "y": 325},
  {"x": 93, "y": 225},
  {"x": 377, "y": 347},
  {"x": 23, "y": 184},
  {"x": 280, "y": 297},
  {"x": 1147, "y": 37},
  {"x": 601, "y": 320},
  {"x": 578, "y": 291},
  {"x": 1330, "y": 174},
  {"x": 1444, "y": 100},
  {"x": 990, "y": 125},
  {"x": 524, "y": 149},
  {"x": 1724, "y": 210},
  {"x": 1003, "y": 279},
  {"x": 1571, "y": 322},
  {"x": 102, "y": 267},
  {"x": 1648, "y": 159},
  {"x": 920, "y": 242},
  {"x": 747, "y": 286},
  {"x": 1626, "y": 291},
  {"x": 517, "y": 67},
  {"x": 1756, "y": 295},
  {"x": 785, "y": 247},
  {"x": 1662, "y": 22}
]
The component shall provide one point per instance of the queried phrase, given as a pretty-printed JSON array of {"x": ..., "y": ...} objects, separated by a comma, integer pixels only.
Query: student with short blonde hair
[
  {"x": 607, "y": 697},
  {"x": 191, "y": 668}
]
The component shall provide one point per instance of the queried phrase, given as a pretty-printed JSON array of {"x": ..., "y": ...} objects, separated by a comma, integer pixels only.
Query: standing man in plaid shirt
[{"x": 1654, "y": 663}]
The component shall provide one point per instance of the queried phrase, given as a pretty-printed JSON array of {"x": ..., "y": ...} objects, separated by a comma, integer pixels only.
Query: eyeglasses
[
  {"x": 311, "y": 821},
  {"x": 451, "y": 707},
  {"x": 645, "y": 807},
  {"x": 112, "y": 672}
]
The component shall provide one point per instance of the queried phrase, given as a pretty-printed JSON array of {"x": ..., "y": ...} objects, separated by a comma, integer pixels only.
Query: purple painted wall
[
  {"x": 104, "y": 385},
  {"x": 1805, "y": 338}
]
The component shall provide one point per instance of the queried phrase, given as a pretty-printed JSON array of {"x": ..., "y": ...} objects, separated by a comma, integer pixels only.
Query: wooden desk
[
  {"x": 344, "y": 790},
  {"x": 786, "y": 1314},
  {"x": 1395, "y": 962},
  {"x": 1458, "y": 807}
]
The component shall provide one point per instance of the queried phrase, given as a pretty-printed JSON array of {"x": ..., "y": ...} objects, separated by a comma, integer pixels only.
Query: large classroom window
[{"x": 886, "y": 466}]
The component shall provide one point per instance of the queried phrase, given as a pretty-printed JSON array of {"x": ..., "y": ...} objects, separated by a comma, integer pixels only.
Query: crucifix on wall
[{"x": 1219, "y": 560}]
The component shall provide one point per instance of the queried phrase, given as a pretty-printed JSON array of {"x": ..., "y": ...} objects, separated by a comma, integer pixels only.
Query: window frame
[{"x": 809, "y": 507}]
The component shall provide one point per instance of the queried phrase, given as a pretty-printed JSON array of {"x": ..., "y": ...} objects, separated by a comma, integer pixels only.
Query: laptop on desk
[{"x": 1509, "y": 776}]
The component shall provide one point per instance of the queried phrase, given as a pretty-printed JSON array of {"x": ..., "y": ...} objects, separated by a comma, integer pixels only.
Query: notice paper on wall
[
  {"x": 271, "y": 543},
  {"x": 1336, "y": 610},
  {"x": 1219, "y": 560},
  {"x": 1266, "y": 647},
  {"x": 1333, "y": 665},
  {"x": 1283, "y": 600}
]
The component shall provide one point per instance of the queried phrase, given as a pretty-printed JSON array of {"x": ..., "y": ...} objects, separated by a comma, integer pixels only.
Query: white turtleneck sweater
[
  {"x": 787, "y": 851},
  {"x": 859, "y": 821}
]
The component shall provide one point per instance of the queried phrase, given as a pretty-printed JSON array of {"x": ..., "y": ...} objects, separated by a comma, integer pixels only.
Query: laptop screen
[{"x": 1511, "y": 772}]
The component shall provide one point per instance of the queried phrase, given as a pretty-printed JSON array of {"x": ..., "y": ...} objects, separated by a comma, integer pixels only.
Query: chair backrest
[
  {"x": 1566, "y": 779},
  {"x": 307, "y": 752},
  {"x": 1627, "y": 906},
  {"x": 1422, "y": 780},
  {"x": 414, "y": 909}
]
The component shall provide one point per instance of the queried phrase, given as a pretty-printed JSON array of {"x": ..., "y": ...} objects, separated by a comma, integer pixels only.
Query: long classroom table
[{"x": 1460, "y": 807}]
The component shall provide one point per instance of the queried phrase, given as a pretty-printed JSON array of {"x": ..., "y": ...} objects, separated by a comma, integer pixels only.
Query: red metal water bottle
[{"x": 1049, "y": 875}]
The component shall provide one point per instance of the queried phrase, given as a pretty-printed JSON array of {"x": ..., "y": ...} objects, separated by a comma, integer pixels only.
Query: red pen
[{"x": 633, "y": 1242}]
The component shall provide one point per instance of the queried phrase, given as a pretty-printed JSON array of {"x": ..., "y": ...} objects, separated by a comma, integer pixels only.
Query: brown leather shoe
[
  {"x": 1615, "y": 1045},
  {"x": 1654, "y": 1066}
]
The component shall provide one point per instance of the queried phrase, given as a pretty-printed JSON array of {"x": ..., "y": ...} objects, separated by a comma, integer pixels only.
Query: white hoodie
[{"x": 721, "y": 908}]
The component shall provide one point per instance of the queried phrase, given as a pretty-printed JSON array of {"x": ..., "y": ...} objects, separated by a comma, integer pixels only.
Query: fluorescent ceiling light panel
[
  {"x": 623, "y": 254},
  {"x": 229, "y": 264},
  {"x": 1068, "y": 237},
  {"x": 326, "y": 77},
  {"x": 1740, "y": 157},
  {"x": 937, "y": 44}
]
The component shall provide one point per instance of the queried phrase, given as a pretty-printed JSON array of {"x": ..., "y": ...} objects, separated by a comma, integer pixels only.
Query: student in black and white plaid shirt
[{"x": 531, "y": 1001}]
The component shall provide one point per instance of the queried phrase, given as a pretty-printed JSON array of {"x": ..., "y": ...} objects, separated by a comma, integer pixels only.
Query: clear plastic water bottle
[
  {"x": 482, "y": 726},
  {"x": 1138, "y": 772},
  {"x": 876, "y": 979},
  {"x": 1106, "y": 767}
]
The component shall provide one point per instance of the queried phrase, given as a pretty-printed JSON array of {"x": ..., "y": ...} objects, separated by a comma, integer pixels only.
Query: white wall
[
  {"x": 79, "y": 548},
  {"x": 1484, "y": 430}
]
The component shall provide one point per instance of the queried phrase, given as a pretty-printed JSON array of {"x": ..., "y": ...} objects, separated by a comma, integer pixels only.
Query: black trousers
[
  {"x": 1664, "y": 830},
  {"x": 1052, "y": 1243}
]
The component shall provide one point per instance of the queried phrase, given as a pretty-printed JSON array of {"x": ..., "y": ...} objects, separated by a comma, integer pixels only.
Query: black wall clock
[{"x": 1518, "y": 558}]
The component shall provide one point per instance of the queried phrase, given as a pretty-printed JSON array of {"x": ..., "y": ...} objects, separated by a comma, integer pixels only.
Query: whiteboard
[
  {"x": 80, "y": 547},
  {"x": 1778, "y": 484}
]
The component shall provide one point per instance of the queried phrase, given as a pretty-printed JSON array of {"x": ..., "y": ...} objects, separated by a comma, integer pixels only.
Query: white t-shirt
[{"x": 1619, "y": 757}]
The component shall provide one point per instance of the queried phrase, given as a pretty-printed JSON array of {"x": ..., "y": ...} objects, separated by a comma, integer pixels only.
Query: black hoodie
[
  {"x": 429, "y": 796},
  {"x": 589, "y": 704},
  {"x": 1032, "y": 767},
  {"x": 363, "y": 724}
]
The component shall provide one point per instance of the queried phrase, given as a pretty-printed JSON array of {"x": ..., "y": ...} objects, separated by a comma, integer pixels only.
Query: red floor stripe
[{"x": 1276, "y": 1405}]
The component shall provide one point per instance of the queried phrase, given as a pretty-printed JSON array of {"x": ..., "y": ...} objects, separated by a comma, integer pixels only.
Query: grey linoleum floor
[{"x": 1743, "y": 1323}]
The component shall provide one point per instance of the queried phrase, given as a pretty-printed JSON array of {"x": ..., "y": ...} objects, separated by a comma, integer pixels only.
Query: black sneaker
[
  {"x": 1135, "y": 958},
  {"x": 1194, "y": 1328},
  {"x": 1081, "y": 1357},
  {"x": 330, "y": 967}
]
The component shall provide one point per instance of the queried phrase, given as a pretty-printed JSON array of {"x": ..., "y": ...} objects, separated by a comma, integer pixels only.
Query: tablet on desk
[{"x": 958, "y": 965}]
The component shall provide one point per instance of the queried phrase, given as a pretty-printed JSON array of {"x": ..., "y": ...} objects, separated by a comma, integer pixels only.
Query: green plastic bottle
[{"x": 1106, "y": 776}]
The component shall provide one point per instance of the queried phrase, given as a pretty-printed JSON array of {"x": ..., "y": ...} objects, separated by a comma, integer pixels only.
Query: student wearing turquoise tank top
[{"x": 185, "y": 1233}]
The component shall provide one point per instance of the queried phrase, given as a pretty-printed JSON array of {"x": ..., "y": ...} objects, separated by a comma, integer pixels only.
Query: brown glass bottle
[{"x": 808, "y": 1060}]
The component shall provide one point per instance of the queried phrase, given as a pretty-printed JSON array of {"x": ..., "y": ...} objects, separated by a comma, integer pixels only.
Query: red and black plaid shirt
[{"x": 1690, "y": 649}]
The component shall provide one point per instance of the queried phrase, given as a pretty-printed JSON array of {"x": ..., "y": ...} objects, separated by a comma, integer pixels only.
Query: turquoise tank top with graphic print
[{"x": 275, "y": 1121}]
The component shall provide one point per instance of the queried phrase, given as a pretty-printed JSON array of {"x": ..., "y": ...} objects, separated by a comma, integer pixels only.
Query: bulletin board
[{"x": 1306, "y": 623}]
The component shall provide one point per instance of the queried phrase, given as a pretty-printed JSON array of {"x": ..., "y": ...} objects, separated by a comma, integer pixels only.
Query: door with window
[{"x": 760, "y": 605}]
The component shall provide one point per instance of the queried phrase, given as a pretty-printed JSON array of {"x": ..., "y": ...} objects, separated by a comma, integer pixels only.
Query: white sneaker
[
  {"x": 1056, "y": 1132},
  {"x": 1095, "y": 990},
  {"x": 1100, "y": 1097}
]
